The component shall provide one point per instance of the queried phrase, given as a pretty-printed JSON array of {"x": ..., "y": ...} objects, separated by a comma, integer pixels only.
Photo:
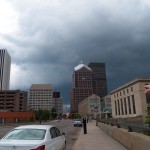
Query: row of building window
[
  {"x": 39, "y": 90},
  {"x": 40, "y": 98},
  {"x": 123, "y": 92},
  {"x": 83, "y": 74},
  {"x": 43, "y": 100},
  {"x": 125, "y": 106},
  {"x": 40, "y": 105},
  {"x": 48, "y": 94}
]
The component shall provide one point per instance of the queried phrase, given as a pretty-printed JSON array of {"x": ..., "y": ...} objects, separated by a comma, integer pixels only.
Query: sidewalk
[{"x": 96, "y": 139}]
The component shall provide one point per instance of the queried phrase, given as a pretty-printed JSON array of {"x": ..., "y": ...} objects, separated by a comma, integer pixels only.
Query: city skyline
[{"x": 46, "y": 40}]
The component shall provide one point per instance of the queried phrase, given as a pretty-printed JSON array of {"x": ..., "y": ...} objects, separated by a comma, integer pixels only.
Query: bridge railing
[{"x": 129, "y": 127}]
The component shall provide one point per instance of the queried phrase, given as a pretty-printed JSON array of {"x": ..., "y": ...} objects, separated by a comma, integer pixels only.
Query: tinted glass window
[
  {"x": 26, "y": 134},
  {"x": 53, "y": 133},
  {"x": 58, "y": 132}
]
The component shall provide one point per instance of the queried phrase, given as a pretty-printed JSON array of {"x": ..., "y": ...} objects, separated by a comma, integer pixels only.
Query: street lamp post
[{"x": 84, "y": 125}]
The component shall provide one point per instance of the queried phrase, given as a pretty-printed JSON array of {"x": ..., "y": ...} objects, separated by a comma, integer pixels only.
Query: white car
[
  {"x": 78, "y": 122},
  {"x": 34, "y": 137}
]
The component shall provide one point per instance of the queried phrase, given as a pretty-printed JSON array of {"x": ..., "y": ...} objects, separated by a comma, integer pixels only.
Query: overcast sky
[{"x": 48, "y": 38}]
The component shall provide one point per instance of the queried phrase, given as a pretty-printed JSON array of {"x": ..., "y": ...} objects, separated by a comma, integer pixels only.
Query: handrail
[{"x": 130, "y": 127}]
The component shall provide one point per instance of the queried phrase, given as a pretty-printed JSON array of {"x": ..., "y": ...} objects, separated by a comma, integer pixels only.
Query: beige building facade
[
  {"x": 106, "y": 111},
  {"x": 90, "y": 106},
  {"x": 40, "y": 96},
  {"x": 129, "y": 100}
]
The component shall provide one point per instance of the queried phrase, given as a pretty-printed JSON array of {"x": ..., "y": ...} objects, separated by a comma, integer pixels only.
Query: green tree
[
  {"x": 147, "y": 117},
  {"x": 53, "y": 113},
  {"x": 40, "y": 115},
  {"x": 46, "y": 115},
  {"x": 147, "y": 121}
]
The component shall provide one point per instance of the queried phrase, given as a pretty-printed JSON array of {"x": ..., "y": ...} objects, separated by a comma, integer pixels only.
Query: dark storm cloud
[{"x": 55, "y": 35}]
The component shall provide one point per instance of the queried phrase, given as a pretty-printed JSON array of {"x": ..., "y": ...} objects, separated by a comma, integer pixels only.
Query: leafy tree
[
  {"x": 147, "y": 117},
  {"x": 42, "y": 115},
  {"x": 147, "y": 121},
  {"x": 46, "y": 115},
  {"x": 74, "y": 116},
  {"x": 53, "y": 113}
]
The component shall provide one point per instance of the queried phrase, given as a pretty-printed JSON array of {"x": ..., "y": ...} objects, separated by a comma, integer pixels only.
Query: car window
[
  {"x": 53, "y": 133},
  {"x": 26, "y": 134},
  {"x": 78, "y": 120},
  {"x": 57, "y": 131}
]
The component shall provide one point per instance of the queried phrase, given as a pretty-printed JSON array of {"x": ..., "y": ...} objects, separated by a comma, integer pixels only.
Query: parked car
[
  {"x": 34, "y": 137},
  {"x": 78, "y": 122}
]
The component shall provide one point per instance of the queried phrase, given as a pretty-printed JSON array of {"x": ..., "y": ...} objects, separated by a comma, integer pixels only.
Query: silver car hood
[{"x": 18, "y": 144}]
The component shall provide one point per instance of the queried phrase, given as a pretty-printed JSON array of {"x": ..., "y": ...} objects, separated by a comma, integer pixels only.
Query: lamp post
[{"x": 84, "y": 125}]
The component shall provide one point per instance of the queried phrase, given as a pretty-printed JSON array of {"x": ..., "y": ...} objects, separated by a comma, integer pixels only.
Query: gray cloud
[{"x": 54, "y": 35}]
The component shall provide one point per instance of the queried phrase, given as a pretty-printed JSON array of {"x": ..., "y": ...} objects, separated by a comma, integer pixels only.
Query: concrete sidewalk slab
[{"x": 96, "y": 139}]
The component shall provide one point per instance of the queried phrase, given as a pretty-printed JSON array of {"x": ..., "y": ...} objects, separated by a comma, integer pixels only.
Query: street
[{"x": 71, "y": 132}]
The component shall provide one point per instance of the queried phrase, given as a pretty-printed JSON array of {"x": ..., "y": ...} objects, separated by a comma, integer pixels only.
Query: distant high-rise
[
  {"x": 99, "y": 78},
  {"x": 5, "y": 63},
  {"x": 57, "y": 102},
  {"x": 81, "y": 85},
  {"x": 40, "y": 96}
]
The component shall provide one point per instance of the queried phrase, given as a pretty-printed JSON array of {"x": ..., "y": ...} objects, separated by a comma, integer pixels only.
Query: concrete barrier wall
[{"x": 131, "y": 140}]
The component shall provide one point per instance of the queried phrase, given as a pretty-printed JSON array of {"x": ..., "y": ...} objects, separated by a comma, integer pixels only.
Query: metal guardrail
[{"x": 129, "y": 127}]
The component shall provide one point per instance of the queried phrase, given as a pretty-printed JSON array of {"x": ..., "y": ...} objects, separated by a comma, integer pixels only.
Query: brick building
[
  {"x": 81, "y": 85},
  {"x": 16, "y": 117},
  {"x": 13, "y": 100}
]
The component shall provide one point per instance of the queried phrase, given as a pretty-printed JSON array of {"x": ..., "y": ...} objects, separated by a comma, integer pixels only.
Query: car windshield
[
  {"x": 26, "y": 134},
  {"x": 78, "y": 120}
]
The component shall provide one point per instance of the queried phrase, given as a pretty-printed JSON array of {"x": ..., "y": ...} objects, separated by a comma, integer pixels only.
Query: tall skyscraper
[
  {"x": 99, "y": 78},
  {"x": 5, "y": 63},
  {"x": 81, "y": 85}
]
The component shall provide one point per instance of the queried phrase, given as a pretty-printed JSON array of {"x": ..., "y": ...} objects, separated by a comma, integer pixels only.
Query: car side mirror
[{"x": 63, "y": 133}]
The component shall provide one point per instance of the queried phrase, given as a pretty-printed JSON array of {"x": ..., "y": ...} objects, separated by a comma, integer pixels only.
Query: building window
[
  {"x": 123, "y": 92},
  {"x": 129, "y": 105},
  {"x": 125, "y": 106},
  {"x": 127, "y": 90},
  {"x": 118, "y": 107},
  {"x": 133, "y": 103},
  {"x": 121, "y": 107},
  {"x": 131, "y": 89}
]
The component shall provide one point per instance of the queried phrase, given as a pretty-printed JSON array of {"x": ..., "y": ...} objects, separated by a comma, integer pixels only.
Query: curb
[{"x": 74, "y": 145}]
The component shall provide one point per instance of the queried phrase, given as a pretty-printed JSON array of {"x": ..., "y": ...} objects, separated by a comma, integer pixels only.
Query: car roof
[{"x": 35, "y": 127}]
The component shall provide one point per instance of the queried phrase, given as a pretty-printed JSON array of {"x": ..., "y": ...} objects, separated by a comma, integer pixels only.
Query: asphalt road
[{"x": 71, "y": 132}]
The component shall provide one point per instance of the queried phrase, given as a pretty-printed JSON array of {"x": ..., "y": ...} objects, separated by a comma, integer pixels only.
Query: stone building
[
  {"x": 129, "y": 100},
  {"x": 90, "y": 107}
]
